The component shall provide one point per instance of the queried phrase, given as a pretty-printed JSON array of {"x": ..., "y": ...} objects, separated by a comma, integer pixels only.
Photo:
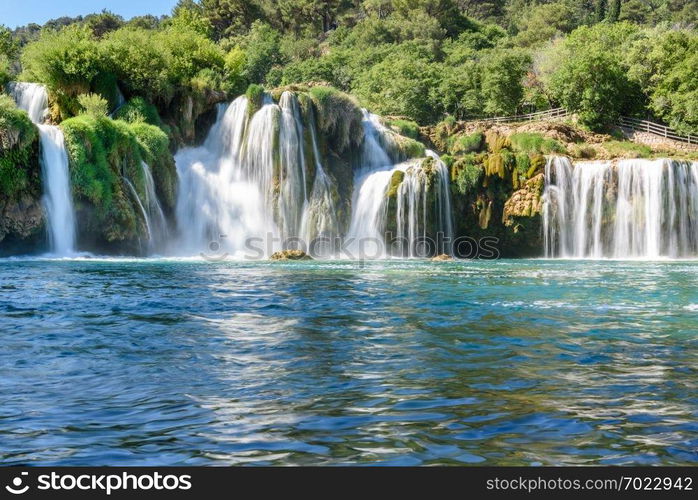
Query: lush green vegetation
[
  {"x": 104, "y": 153},
  {"x": 19, "y": 166},
  {"x": 419, "y": 60}
]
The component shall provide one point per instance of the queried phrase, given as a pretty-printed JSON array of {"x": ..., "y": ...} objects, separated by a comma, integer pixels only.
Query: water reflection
[{"x": 509, "y": 362}]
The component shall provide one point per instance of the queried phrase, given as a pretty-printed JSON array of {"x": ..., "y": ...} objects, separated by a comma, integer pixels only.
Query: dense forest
[{"x": 424, "y": 60}]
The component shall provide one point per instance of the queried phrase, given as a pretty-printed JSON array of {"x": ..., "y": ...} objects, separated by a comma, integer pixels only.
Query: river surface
[{"x": 509, "y": 362}]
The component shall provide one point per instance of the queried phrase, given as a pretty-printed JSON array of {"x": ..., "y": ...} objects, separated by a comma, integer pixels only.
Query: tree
[
  {"x": 103, "y": 23},
  {"x": 262, "y": 51},
  {"x": 614, "y": 12},
  {"x": 231, "y": 17},
  {"x": 589, "y": 74},
  {"x": 601, "y": 7},
  {"x": 502, "y": 81},
  {"x": 402, "y": 84},
  {"x": 94, "y": 105}
]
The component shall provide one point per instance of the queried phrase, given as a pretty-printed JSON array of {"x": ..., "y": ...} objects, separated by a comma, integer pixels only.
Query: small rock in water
[
  {"x": 441, "y": 258},
  {"x": 290, "y": 255}
]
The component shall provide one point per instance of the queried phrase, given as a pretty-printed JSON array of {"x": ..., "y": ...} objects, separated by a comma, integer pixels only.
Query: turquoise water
[{"x": 399, "y": 362}]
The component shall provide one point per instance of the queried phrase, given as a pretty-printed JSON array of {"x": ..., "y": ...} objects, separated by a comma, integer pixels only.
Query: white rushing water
[
  {"x": 58, "y": 202},
  {"x": 253, "y": 183},
  {"x": 413, "y": 214},
  {"x": 248, "y": 181},
  {"x": 629, "y": 209}
]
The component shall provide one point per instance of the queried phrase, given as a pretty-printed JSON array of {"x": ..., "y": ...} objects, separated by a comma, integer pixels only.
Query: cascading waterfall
[
  {"x": 151, "y": 210},
  {"x": 629, "y": 209},
  {"x": 259, "y": 181},
  {"x": 57, "y": 198},
  {"x": 144, "y": 213},
  {"x": 249, "y": 180},
  {"x": 159, "y": 233},
  {"x": 422, "y": 198}
]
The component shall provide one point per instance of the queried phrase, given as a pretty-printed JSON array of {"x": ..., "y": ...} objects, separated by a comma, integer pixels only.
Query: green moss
[
  {"x": 155, "y": 150},
  {"x": 463, "y": 144},
  {"x": 531, "y": 142},
  {"x": 467, "y": 173},
  {"x": 537, "y": 165},
  {"x": 523, "y": 164},
  {"x": 138, "y": 110},
  {"x": 255, "y": 98},
  {"x": 628, "y": 149},
  {"x": 19, "y": 169},
  {"x": 495, "y": 141},
  {"x": 408, "y": 128},
  {"x": 339, "y": 118},
  {"x": 102, "y": 153},
  {"x": 395, "y": 181}
]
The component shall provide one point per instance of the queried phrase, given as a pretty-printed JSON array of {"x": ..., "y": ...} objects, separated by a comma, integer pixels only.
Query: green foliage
[
  {"x": 408, "y": 128},
  {"x": 531, "y": 142},
  {"x": 102, "y": 152},
  {"x": 262, "y": 46},
  {"x": 628, "y": 149},
  {"x": 18, "y": 148},
  {"x": 67, "y": 61},
  {"x": 255, "y": 97},
  {"x": 93, "y": 105},
  {"x": 664, "y": 65},
  {"x": 468, "y": 174},
  {"x": 401, "y": 85},
  {"x": 590, "y": 75},
  {"x": 155, "y": 151},
  {"x": 139, "y": 110},
  {"x": 462, "y": 144},
  {"x": 502, "y": 81}
]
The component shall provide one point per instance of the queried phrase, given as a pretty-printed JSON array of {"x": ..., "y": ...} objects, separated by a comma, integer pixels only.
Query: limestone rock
[
  {"x": 441, "y": 258},
  {"x": 526, "y": 202},
  {"x": 290, "y": 255}
]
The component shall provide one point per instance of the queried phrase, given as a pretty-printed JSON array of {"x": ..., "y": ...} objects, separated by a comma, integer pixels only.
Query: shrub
[
  {"x": 531, "y": 142},
  {"x": 407, "y": 128},
  {"x": 468, "y": 174},
  {"x": 138, "y": 110},
  {"x": 463, "y": 144},
  {"x": 93, "y": 105}
]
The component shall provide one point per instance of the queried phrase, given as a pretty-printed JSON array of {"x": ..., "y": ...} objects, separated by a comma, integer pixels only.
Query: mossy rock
[
  {"x": 496, "y": 141},
  {"x": 255, "y": 98},
  {"x": 290, "y": 255},
  {"x": 339, "y": 118},
  {"x": 395, "y": 181},
  {"x": 103, "y": 155}
]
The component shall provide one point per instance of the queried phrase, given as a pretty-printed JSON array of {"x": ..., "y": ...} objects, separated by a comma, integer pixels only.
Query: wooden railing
[
  {"x": 549, "y": 114},
  {"x": 656, "y": 129}
]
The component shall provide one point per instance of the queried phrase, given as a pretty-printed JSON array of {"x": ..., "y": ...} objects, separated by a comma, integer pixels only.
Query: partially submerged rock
[
  {"x": 290, "y": 255},
  {"x": 441, "y": 258}
]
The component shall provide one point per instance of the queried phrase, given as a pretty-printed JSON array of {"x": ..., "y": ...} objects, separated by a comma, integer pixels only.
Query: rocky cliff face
[{"x": 21, "y": 215}]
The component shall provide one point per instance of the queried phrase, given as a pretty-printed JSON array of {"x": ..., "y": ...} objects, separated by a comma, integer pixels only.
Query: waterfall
[
  {"x": 422, "y": 208},
  {"x": 151, "y": 210},
  {"x": 249, "y": 180},
  {"x": 259, "y": 183},
  {"x": 629, "y": 209},
  {"x": 55, "y": 174},
  {"x": 157, "y": 222},
  {"x": 144, "y": 213}
]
